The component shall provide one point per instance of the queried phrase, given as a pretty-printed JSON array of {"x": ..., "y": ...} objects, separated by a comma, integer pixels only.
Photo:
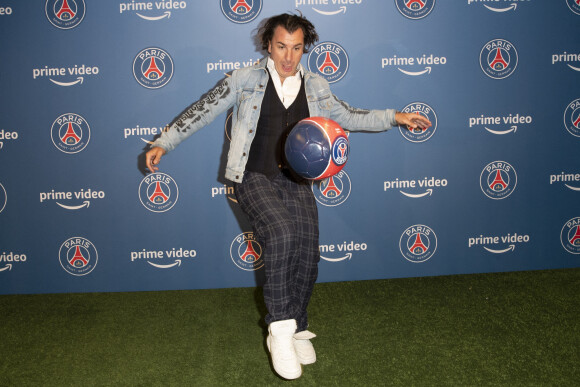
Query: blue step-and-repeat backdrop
[{"x": 85, "y": 85}]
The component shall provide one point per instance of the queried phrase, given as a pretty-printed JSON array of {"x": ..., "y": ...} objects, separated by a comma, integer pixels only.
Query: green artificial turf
[{"x": 505, "y": 329}]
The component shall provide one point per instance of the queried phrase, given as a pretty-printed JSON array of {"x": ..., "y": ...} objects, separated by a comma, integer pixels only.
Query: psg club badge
[
  {"x": 329, "y": 60},
  {"x": 241, "y": 11},
  {"x": 570, "y": 236},
  {"x": 78, "y": 256},
  {"x": 153, "y": 68},
  {"x": 498, "y": 59},
  {"x": 498, "y": 180},
  {"x": 419, "y": 134},
  {"x": 158, "y": 192},
  {"x": 418, "y": 243},
  {"x": 415, "y": 9},
  {"x": 246, "y": 252},
  {"x": 3, "y": 198},
  {"x": 332, "y": 191},
  {"x": 572, "y": 117},
  {"x": 65, "y": 14},
  {"x": 574, "y": 6},
  {"x": 70, "y": 133}
]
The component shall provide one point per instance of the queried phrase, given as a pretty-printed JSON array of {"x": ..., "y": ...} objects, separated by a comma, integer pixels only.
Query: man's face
[{"x": 286, "y": 50}]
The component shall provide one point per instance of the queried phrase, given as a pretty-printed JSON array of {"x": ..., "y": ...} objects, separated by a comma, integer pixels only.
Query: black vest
[{"x": 275, "y": 122}]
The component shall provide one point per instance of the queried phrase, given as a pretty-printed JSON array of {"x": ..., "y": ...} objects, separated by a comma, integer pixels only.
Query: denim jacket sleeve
[
  {"x": 323, "y": 103},
  {"x": 199, "y": 114}
]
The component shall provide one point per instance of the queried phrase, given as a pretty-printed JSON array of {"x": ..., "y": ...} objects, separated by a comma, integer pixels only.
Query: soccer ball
[{"x": 316, "y": 148}]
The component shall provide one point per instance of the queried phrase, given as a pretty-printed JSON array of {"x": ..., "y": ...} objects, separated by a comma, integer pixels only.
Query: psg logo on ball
[
  {"x": 65, "y": 14},
  {"x": 419, "y": 134},
  {"x": 415, "y": 9},
  {"x": 153, "y": 68},
  {"x": 70, "y": 133},
  {"x": 572, "y": 117},
  {"x": 570, "y": 236},
  {"x": 246, "y": 252},
  {"x": 340, "y": 151},
  {"x": 418, "y": 243},
  {"x": 498, "y": 180},
  {"x": 316, "y": 148},
  {"x": 498, "y": 59},
  {"x": 241, "y": 11},
  {"x": 158, "y": 192},
  {"x": 78, "y": 256},
  {"x": 329, "y": 60}
]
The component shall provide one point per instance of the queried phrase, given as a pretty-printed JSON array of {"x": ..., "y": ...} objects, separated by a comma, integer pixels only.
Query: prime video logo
[{"x": 227, "y": 66}]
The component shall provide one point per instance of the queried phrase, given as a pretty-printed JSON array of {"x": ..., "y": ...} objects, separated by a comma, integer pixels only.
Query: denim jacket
[{"x": 244, "y": 91}]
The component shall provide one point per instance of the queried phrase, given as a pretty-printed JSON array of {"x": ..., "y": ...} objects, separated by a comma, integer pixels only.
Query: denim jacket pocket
[{"x": 245, "y": 103}]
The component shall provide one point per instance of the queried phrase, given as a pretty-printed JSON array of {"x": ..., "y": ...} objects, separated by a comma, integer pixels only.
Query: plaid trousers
[{"x": 284, "y": 217}]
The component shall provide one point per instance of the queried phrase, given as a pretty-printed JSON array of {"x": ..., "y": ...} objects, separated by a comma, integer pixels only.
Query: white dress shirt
[{"x": 288, "y": 90}]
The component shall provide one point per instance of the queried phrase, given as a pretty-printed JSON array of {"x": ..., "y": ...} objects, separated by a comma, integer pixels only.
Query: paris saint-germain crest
[
  {"x": 153, "y": 68},
  {"x": 415, "y": 9},
  {"x": 70, "y": 133},
  {"x": 329, "y": 60},
  {"x": 419, "y": 134},
  {"x": 570, "y": 236},
  {"x": 65, "y": 14},
  {"x": 241, "y": 11},
  {"x": 498, "y": 180},
  {"x": 418, "y": 243},
  {"x": 333, "y": 190},
  {"x": 574, "y": 6},
  {"x": 246, "y": 252},
  {"x": 3, "y": 198},
  {"x": 498, "y": 58},
  {"x": 78, "y": 256},
  {"x": 158, "y": 192},
  {"x": 572, "y": 117}
]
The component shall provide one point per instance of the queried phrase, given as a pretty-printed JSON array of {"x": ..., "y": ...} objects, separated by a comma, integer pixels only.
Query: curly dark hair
[{"x": 291, "y": 23}]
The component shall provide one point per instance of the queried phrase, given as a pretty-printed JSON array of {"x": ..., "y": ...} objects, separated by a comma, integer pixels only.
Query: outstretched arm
[{"x": 355, "y": 119}]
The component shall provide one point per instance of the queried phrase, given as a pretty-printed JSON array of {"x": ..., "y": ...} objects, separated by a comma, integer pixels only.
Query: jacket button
[
  {"x": 244, "y": 154},
  {"x": 251, "y": 131},
  {"x": 255, "y": 107}
]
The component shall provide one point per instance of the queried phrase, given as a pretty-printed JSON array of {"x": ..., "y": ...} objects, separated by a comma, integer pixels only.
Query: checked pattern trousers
[{"x": 284, "y": 217}]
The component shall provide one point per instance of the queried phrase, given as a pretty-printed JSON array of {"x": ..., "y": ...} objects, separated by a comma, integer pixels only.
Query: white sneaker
[
  {"x": 280, "y": 343},
  {"x": 304, "y": 348}
]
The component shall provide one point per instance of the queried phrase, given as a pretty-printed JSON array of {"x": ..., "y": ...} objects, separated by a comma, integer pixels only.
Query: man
[{"x": 267, "y": 100}]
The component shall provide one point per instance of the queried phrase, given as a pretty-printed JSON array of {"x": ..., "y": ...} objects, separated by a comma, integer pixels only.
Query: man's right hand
[{"x": 153, "y": 157}]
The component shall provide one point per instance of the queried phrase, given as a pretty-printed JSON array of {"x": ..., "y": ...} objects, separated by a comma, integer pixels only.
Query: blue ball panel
[{"x": 308, "y": 150}]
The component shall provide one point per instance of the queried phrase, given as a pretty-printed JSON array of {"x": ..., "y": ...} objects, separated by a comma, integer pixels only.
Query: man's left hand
[{"x": 412, "y": 120}]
